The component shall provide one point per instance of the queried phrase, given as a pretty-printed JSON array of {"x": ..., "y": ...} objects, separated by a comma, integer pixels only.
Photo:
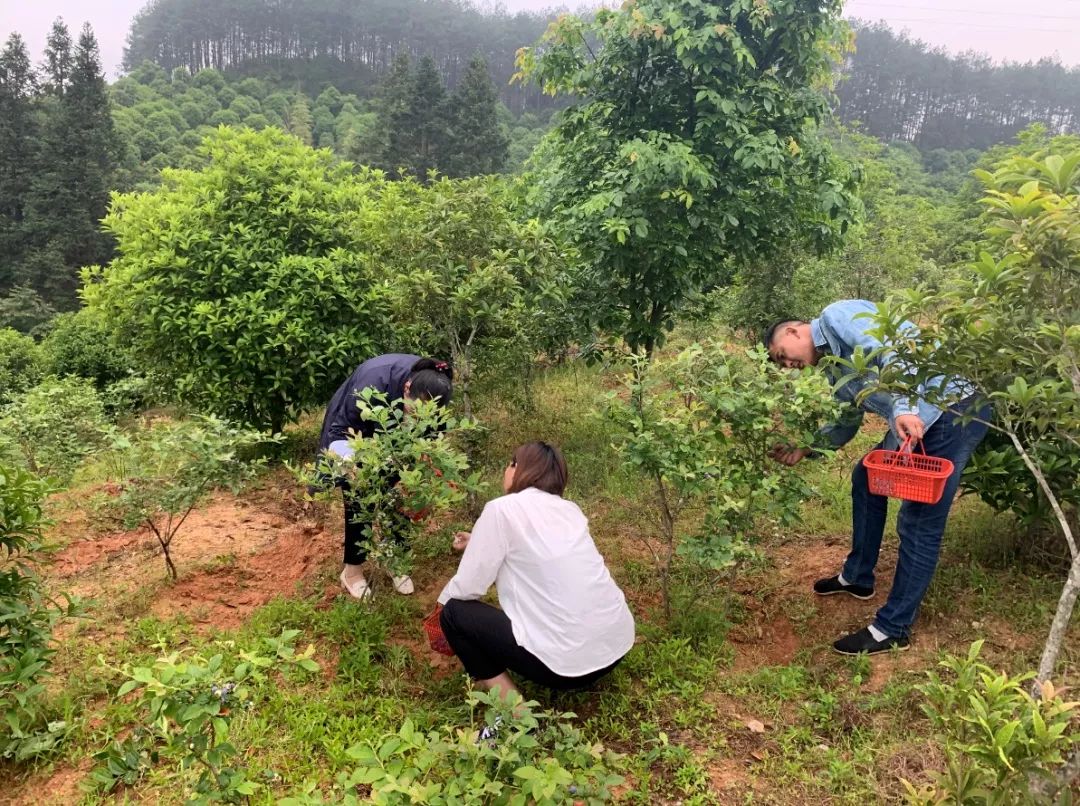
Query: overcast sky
[{"x": 1004, "y": 29}]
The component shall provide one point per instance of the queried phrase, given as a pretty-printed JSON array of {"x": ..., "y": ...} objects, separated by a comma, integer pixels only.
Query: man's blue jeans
[{"x": 920, "y": 526}]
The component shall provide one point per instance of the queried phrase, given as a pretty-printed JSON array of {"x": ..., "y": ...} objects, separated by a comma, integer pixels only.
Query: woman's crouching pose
[{"x": 564, "y": 622}]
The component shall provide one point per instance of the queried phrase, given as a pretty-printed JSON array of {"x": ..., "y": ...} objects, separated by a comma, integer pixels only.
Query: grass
[{"x": 679, "y": 708}]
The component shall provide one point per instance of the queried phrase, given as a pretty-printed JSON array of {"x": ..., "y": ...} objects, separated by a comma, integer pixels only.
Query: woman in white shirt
[{"x": 564, "y": 622}]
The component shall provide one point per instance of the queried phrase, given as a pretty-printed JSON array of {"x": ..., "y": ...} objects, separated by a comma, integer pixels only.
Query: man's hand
[
  {"x": 461, "y": 540},
  {"x": 788, "y": 455},
  {"x": 910, "y": 425}
]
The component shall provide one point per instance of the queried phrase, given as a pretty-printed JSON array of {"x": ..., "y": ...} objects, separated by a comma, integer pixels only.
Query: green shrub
[
  {"x": 699, "y": 429},
  {"x": 469, "y": 277},
  {"x": 53, "y": 427},
  {"x": 537, "y": 758},
  {"x": 246, "y": 283},
  {"x": 27, "y": 618},
  {"x": 999, "y": 740},
  {"x": 20, "y": 364},
  {"x": 81, "y": 344},
  {"x": 161, "y": 474},
  {"x": 189, "y": 702},
  {"x": 400, "y": 474}
]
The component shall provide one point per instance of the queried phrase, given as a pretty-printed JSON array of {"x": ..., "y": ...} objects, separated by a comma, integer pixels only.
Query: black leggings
[
  {"x": 357, "y": 518},
  {"x": 483, "y": 639}
]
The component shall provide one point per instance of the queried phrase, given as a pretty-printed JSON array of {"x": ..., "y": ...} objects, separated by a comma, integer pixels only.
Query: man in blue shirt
[{"x": 840, "y": 331}]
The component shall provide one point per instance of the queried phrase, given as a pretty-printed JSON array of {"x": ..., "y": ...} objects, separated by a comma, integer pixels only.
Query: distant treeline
[
  {"x": 902, "y": 89},
  {"x": 314, "y": 39},
  {"x": 899, "y": 88}
]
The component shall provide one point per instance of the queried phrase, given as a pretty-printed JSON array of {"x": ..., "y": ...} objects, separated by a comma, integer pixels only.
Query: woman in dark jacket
[{"x": 400, "y": 377}]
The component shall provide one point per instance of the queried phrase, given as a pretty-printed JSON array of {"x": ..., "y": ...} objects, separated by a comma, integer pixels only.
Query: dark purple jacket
[{"x": 384, "y": 373}]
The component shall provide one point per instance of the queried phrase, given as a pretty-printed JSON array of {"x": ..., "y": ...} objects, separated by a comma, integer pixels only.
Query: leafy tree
[
  {"x": 244, "y": 284},
  {"x": 1012, "y": 326},
  {"x": 479, "y": 145},
  {"x": 699, "y": 429},
  {"x": 470, "y": 276},
  {"x": 163, "y": 473},
  {"x": 909, "y": 233},
  {"x": 692, "y": 146}
]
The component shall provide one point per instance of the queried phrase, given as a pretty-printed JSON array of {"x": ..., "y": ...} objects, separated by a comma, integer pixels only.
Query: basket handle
[{"x": 907, "y": 449}]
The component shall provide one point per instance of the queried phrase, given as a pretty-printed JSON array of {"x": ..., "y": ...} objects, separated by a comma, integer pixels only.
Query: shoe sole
[
  {"x": 849, "y": 593},
  {"x": 903, "y": 648}
]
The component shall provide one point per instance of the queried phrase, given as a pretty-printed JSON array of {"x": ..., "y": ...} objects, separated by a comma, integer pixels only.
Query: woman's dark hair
[
  {"x": 431, "y": 380},
  {"x": 539, "y": 465}
]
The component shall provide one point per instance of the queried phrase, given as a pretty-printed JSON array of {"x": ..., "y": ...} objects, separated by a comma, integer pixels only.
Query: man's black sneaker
[
  {"x": 864, "y": 641},
  {"x": 831, "y": 585}
]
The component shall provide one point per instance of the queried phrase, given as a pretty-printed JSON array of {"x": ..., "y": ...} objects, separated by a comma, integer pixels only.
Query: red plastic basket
[
  {"x": 906, "y": 474},
  {"x": 435, "y": 636}
]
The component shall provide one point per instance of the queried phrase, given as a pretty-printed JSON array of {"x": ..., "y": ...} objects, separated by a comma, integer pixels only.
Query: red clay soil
[
  {"x": 233, "y": 556},
  {"x": 61, "y": 788},
  {"x": 224, "y": 597}
]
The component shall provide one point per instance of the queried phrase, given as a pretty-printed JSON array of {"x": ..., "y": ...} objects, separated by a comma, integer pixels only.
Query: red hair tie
[{"x": 441, "y": 365}]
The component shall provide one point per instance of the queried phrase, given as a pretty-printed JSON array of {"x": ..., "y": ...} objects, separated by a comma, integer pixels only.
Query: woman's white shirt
[{"x": 552, "y": 582}]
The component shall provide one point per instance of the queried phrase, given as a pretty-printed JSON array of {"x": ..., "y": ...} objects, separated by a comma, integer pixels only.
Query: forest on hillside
[
  {"x": 350, "y": 45},
  {"x": 393, "y": 86},
  {"x": 898, "y": 88}
]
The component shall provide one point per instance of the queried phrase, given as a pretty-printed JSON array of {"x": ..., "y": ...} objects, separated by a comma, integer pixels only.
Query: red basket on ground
[
  {"x": 906, "y": 474},
  {"x": 435, "y": 636}
]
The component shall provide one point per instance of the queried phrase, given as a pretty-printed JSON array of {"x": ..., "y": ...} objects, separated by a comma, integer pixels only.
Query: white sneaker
[
  {"x": 403, "y": 585},
  {"x": 357, "y": 586}
]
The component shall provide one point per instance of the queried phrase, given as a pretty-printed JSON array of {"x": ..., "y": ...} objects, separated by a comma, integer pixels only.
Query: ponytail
[{"x": 430, "y": 379}]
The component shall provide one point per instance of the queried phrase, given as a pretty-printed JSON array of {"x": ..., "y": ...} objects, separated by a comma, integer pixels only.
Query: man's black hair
[{"x": 769, "y": 333}]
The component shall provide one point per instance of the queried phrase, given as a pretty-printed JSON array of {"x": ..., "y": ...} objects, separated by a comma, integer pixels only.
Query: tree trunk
[
  {"x": 169, "y": 566},
  {"x": 667, "y": 522},
  {"x": 1067, "y": 602},
  {"x": 1060, "y": 625}
]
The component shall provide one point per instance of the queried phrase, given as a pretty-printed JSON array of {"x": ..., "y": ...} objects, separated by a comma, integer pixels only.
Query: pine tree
[
  {"x": 428, "y": 115},
  {"x": 58, "y": 62},
  {"x": 376, "y": 147},
  {"x": 70, "y": 191},
  {"x": 419, "y": 128},
  {"x": 18, "y": 139},
  {"x": 299, "y": 121},
  {"x": 479, "y": 145}
]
